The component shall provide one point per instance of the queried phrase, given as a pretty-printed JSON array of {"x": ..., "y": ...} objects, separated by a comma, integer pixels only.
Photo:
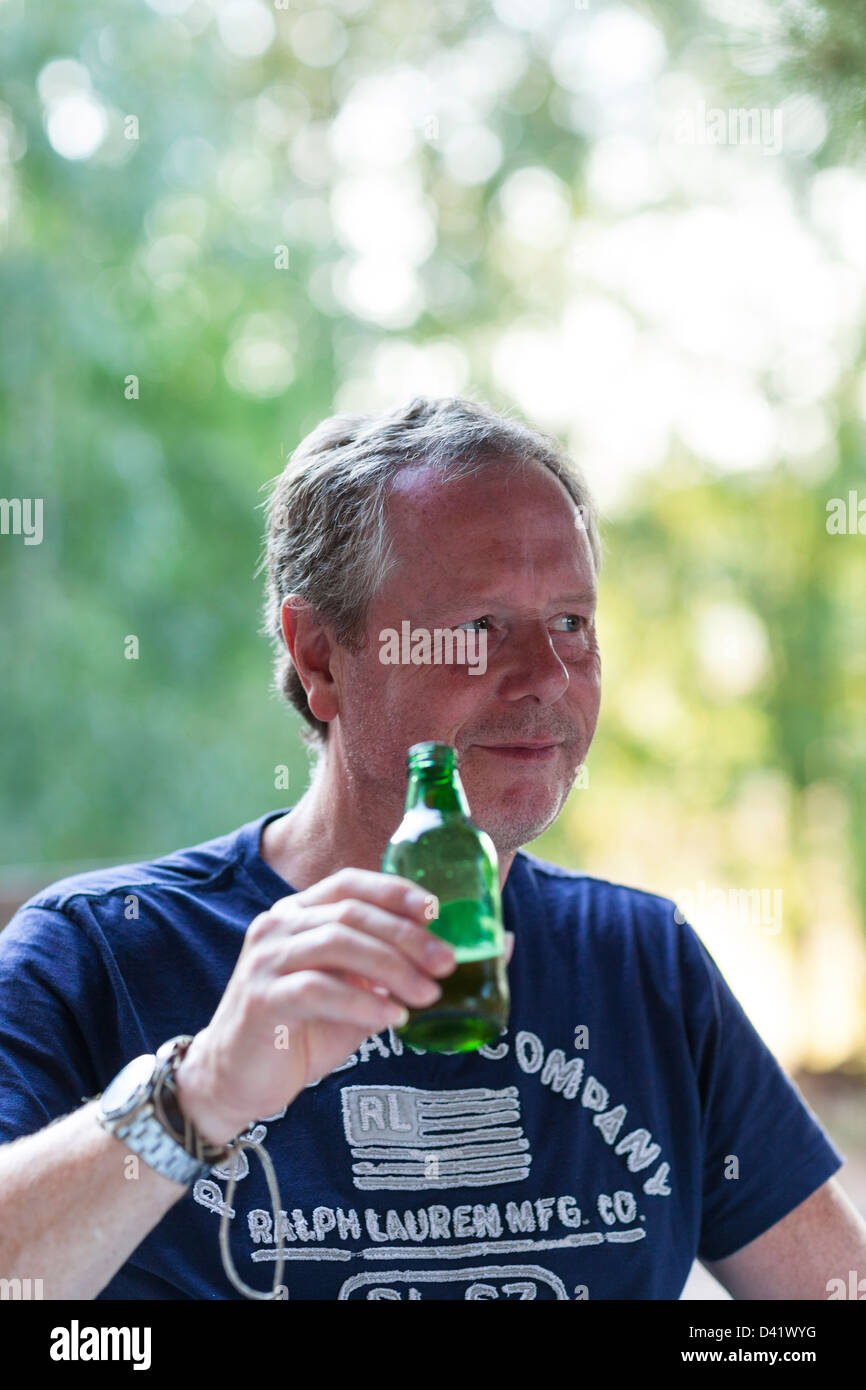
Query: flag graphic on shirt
[{"x": 403, "y": 1137}]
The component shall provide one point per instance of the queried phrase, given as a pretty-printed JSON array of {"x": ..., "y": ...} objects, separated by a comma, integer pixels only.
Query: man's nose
[{"x": 531, "y": 665}]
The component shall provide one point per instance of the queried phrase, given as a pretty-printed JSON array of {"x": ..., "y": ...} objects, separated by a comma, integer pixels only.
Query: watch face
[{"x": 129, "y": 1087}]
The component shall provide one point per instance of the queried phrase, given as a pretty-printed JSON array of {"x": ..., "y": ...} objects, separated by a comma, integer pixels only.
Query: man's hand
[{"x": 318, "y": 973}]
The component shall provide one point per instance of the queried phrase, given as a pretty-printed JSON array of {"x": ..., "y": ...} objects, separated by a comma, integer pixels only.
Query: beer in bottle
[{"x": 437, "y": 846}]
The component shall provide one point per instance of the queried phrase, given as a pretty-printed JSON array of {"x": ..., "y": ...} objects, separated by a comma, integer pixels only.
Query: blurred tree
[{"x": 220, "y": 223}]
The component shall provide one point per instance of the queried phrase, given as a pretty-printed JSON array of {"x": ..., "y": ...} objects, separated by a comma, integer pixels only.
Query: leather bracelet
[{"x": 170, "y": 1114}]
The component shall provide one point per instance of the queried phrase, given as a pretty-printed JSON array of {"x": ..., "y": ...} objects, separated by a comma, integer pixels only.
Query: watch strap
[
  {"x": 158, "y": 1131},
  {"x": 151, "y": 1141}
]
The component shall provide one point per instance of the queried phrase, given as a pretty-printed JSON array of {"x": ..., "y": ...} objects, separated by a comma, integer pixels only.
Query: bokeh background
[{"x": 643, "y": 228}]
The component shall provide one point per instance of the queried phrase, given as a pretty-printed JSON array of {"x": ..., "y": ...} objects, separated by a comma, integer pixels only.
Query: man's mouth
[{"x": 529, "y": 752}]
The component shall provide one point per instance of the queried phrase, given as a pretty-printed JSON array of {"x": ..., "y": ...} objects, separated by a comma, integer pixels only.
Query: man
[{"x": 629, "y": 1118}]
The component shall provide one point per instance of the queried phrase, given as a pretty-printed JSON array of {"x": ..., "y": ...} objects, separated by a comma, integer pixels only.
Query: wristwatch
[{"x": 127, "y": 1109}]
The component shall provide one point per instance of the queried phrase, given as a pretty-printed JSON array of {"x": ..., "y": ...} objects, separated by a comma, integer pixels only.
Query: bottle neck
[{"x": 441, "y": 792}]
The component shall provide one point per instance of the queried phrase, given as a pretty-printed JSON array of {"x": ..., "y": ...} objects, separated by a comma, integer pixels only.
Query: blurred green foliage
[{"x": 146, "y": 260}]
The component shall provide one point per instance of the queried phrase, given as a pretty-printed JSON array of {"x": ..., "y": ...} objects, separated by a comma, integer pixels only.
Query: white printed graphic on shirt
[
  {"x": 407, "y": 1138},
  {"x": 434, "y": 1138},
  {"x": 520, "y": 1281}
]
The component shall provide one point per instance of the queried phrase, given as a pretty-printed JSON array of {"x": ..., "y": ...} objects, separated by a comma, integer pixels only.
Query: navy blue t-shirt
[{"x": 629, "y": 1119}]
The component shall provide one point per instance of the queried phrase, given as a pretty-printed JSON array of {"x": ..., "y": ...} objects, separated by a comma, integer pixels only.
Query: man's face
[{"x": 503, "y": 550}]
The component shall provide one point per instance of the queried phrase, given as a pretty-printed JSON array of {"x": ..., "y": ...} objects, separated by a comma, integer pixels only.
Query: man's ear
[{"x": 310, "y": 644}]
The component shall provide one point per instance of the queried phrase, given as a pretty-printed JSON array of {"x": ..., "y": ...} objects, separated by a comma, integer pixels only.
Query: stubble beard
[{"x": 511, "y": 826}]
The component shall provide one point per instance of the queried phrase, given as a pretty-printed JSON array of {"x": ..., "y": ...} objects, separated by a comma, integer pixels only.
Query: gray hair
[{"x": 326, "y": 536}]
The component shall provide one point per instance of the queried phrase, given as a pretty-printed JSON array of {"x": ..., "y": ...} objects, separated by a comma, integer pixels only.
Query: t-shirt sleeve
[
  {"x": 764, "y": 1150},
  {"x": 55, "y": 1001}
]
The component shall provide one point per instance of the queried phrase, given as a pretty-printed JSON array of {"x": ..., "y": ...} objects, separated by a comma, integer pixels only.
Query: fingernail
[
  {"x": 439, "y": 951},
  {"x": 428, "y": 901}
]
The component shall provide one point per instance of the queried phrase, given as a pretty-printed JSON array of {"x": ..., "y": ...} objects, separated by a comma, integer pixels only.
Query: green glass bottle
[{"x": 437, "y": 846}]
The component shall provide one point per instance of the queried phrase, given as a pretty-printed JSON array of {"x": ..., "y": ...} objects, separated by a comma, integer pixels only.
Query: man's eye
[
  {"x": 475, "y": 622},
  {"x": 576, "y": 618}
]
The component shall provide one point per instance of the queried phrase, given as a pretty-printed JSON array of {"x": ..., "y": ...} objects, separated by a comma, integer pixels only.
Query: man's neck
[
  {"x": 314, "y": 840},
  {"x": 334, "y": 827}
]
